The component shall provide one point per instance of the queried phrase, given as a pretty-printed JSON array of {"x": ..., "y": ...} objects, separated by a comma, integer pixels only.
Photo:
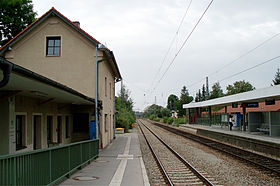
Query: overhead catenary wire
[
  {"x": 171, "y": 44},
  {"x": 245, "y": 54},
  {"x": 182, "y": 46},
  {"x": 138, "y": 87},
  {"x": 250, "y": 68},
  {"x": 262, "y": 63},
  {"x": 236, "y": 59}
]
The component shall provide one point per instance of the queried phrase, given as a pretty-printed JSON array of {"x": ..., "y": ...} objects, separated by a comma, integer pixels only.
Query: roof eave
[
  {"x": 28, "y": 73},
  {"x": 24, "y": 31},
  {"x": 254, "y": 95},
  {"x": 118, "y": 74},
  {"x": 52, "y": 11}
]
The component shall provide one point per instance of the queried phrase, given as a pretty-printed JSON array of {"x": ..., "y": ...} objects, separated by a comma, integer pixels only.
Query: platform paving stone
[{"x": 120, "y": 163}]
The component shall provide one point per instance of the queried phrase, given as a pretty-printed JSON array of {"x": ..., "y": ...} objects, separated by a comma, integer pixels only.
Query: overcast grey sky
[{"x": 140, "y": 32}]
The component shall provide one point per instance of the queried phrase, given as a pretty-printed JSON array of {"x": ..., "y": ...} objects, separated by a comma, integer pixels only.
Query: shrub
[
  {"x": 179, "y": 121},
  {"x": 165, "y": 119},
  {"x": 157, "y": 119},
  {"x": 124, "y": 119},
  {"x": 152, "y": 117},
  {"x": 124, "y": 104},
  {"x": 170, "y": 120}
]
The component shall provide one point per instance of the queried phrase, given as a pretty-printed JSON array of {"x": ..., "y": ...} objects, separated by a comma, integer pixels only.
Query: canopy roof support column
[
  {"x": 210, "y": 115},
  {"x": 244, "y": 117},
  {"x": 227, "y": 118},
  {"x": 189, "y": 115}
]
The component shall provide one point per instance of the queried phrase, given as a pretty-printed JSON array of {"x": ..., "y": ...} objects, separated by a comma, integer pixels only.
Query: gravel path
[{"x": 225, "y": 169}]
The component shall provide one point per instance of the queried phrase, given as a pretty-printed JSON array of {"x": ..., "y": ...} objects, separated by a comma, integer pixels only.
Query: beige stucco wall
[
  {"x": 29, "y": 107},
  {"x": 7, "y": 129},
  {"x": 107, "y": 100},
  {"x": 75, "y": 67}
]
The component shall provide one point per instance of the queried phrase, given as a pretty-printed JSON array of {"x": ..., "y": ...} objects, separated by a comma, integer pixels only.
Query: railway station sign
[
  {"x": 270, "y": 102},
  {"x": 250, "y": 105},
  {"x": 235, "y": 105}
]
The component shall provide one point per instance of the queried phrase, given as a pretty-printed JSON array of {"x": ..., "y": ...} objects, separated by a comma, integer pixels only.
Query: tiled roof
[
  {"x": 44, "y": 16},
  {"x": 53, "y": 11}
]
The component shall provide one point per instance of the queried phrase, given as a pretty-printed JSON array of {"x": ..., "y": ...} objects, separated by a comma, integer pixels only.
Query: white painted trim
[
  {"x": 118, "y": 176},
  {"x": 144, "y": 172}
]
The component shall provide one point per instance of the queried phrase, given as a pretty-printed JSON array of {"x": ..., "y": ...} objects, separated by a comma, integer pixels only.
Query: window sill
[{"x": 52, "y": 56}]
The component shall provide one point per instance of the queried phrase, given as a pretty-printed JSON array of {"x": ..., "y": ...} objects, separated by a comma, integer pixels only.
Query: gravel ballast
[{"x": 224, "y": 168}]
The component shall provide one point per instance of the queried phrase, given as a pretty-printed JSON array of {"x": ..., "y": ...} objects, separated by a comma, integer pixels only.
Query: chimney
[{"x": 77, "y": 23}]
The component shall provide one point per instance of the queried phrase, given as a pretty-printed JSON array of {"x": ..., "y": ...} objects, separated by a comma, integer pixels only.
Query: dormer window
[{"x": 53, "y": 46}]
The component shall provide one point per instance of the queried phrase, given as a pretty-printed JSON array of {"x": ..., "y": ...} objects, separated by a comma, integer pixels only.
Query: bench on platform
[
  {"x": 119, "y": 130},
  {"x": 263, "y": 128}
]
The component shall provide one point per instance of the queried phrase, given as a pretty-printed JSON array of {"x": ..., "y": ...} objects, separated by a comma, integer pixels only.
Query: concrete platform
[
  {"x": 255, "y": 141},
  {"x": 118, "y": 164}
]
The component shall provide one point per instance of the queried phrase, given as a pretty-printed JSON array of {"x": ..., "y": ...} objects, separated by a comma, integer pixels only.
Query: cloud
[{"x": 140, "y": 31}]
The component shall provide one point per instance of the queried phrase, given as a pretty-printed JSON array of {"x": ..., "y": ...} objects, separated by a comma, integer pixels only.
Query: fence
[
  {"x": 216, "y": 119},
  {"x": 46, "y": 166}
]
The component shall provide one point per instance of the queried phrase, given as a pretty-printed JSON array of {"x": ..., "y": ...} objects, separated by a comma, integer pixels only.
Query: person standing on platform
[{"x": 230, "y": 122}]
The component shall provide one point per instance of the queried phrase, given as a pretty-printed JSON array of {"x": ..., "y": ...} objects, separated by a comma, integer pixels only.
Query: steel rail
[
  {"x": 185, "y": 162},
  {"x": 230, "y": 149},
  {"x": 165, "y": 175}
]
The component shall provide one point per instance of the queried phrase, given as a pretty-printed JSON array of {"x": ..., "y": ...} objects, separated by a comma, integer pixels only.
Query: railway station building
[
  {"x": 54, "y": 76},
  {"x": 254, "y": 111}
]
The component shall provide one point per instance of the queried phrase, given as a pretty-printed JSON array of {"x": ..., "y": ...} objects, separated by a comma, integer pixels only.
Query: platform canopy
[
  {"x": 27, "y": 83},
  {"x": 258, "y": 95}
]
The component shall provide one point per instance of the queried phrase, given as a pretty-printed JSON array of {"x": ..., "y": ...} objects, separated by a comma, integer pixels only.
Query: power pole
[{"x": 207, "y": 89}]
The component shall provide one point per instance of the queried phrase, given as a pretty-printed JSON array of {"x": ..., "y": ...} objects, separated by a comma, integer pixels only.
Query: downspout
[
  {"x": 114, "y": 125},
  {"x": 96, "y": 95},
  {"x": 6, "y": 73}
]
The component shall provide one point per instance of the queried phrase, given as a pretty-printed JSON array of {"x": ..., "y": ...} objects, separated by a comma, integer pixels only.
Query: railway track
[
  {"x": 174, "y": 168},
  {"x": 261, "y": 161}
]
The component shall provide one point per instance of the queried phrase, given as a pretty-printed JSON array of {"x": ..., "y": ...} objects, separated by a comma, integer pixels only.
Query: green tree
[
  {"x": 198, "y": 97},
  {"x": 165, "y": 112},
  {"x": 276, "y": 80},
  {"x": 124, "y": 107},
  {"x": 203, "y": 93},
  {"x": 185, "y": 98},
  {"x": 156, "y": 110},
  {"x": 15, "y": 15},
  {"x": 239, "y": 87},
  {"x": 124, "y": 96},
  {"x": 172, "y": 102},
  {"x": 216, "y": 91}
]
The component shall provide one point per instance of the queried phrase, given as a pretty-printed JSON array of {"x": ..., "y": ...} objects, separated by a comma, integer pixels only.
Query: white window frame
[{"x": 45, "y": 45}]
